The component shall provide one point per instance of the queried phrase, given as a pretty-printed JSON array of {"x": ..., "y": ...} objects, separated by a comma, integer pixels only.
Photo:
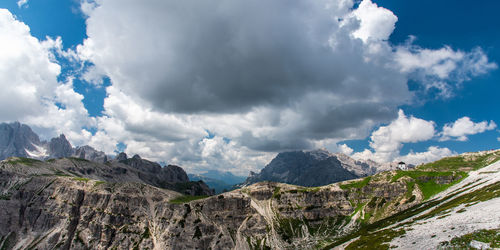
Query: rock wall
[{"x": 41, "y": 209}]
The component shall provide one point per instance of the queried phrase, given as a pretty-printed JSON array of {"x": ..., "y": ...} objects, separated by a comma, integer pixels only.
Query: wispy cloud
[{"x": 22, "y": 3}]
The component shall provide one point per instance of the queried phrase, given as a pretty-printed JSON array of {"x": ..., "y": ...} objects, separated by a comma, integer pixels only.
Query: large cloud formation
[
  {"x": 271, "y": 75},
  {"x": 226, "y": 84},
  {"x": 262, "y": 76},
  {"x": 232, "y": 56}
]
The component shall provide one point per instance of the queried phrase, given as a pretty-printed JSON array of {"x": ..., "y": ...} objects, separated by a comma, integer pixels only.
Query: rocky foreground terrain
[{"x": 57, "y": 204}]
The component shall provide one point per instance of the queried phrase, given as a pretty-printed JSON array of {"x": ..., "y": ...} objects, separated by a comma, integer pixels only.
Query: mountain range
[
  {"x": 66, "y": 201},
  {"x": 19, "y": 140},
  {"x": 305, "y": 168},
  {"x": 72, "y": 203},
  {"x": 19, "y": 143},
  {"x": 316, "y": 168}
]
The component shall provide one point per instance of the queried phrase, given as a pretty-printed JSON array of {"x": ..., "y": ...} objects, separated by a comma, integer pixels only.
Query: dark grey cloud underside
[{"x": 192, "y": 57}]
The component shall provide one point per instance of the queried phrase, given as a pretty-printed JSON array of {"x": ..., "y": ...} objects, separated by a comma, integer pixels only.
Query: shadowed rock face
[
  {"x": 15, "y": 139},
  {"x": 60, "y": 147},
  {"x": 305, "y": 168},
  {"x": 170, "y": 177}
]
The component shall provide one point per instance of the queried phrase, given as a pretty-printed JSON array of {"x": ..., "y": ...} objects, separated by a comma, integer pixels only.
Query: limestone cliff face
[{"x": 45, "y": 206}]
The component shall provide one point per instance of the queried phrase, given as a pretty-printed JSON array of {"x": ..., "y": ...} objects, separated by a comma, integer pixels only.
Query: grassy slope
[
  {"x": 462, "y": 162},
  {"x": 374, "y": 212},
  {"x": 370, "y": 234},
  {"x": 491, "y": 237}
]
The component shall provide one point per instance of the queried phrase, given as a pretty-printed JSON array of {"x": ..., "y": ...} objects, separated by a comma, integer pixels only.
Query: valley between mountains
[{"x": 73, "y": 203}]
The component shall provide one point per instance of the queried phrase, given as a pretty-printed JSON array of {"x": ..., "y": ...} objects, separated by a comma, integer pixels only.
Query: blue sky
[
  {"x": 228, "y": 90},
  {"x": 462, "y": 25}
]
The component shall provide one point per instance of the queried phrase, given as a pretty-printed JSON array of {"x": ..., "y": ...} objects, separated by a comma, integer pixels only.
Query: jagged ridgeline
[
  {"x": 58, "y": 204},
  {"x": 18, "y": 140},
  {"x": 316, "y": 168}
]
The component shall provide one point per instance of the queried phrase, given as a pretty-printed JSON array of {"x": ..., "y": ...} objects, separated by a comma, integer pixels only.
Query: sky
[{"x": 226, "y": 85}]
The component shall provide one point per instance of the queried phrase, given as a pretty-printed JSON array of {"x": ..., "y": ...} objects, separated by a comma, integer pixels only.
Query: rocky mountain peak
[
  {"x": 177, "y": 173},
  {"x": 305, "y": 168},
  {"x": 17, "y": 139},
  {"x": 89, "y": 153},
  {"x": 121, "y": 157},
  {"x": 60, "y": 147},
  {"x": 313, "y": 168},
  {"x": 114, "y": 205}
]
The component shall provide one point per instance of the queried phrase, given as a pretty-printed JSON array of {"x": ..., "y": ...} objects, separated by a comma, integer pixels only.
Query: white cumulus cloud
[
  {"x": 387, "y": 141},
  {"x": 227, "y": 84},
  {"x": 441, "y": 69},
  {"x": 343, "y": 148},
  {"x": 433, "y": 153},
  {"x": 375, "y": 22},
  {"x": 461, "y": 128},
  {"x": 268, "y": 81},
  {"x": 31, "y": 92}
]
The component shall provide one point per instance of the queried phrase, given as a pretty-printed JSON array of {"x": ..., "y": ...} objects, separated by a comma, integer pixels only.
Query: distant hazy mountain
[
  {"x": 312, "y": 168},
  {"x": 19, "y": 140},
  {"x": 218, "y": 185},
  {"x": 218, "y": 180},
  {"x": 224, "y": 176}
]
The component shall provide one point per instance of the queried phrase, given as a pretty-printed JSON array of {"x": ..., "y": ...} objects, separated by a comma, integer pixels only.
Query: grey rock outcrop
[
  {"x": 156, "y": 173},
  {"x": 360, "y": 168},
  {"x": 121, "y": 157}
]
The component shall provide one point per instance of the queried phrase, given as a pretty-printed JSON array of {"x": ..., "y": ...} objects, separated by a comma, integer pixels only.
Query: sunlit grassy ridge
[
  {"x": 23, "y": 160},
  {"x": 464, "y": 162},
  {"x": 426, "y": 180}
]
